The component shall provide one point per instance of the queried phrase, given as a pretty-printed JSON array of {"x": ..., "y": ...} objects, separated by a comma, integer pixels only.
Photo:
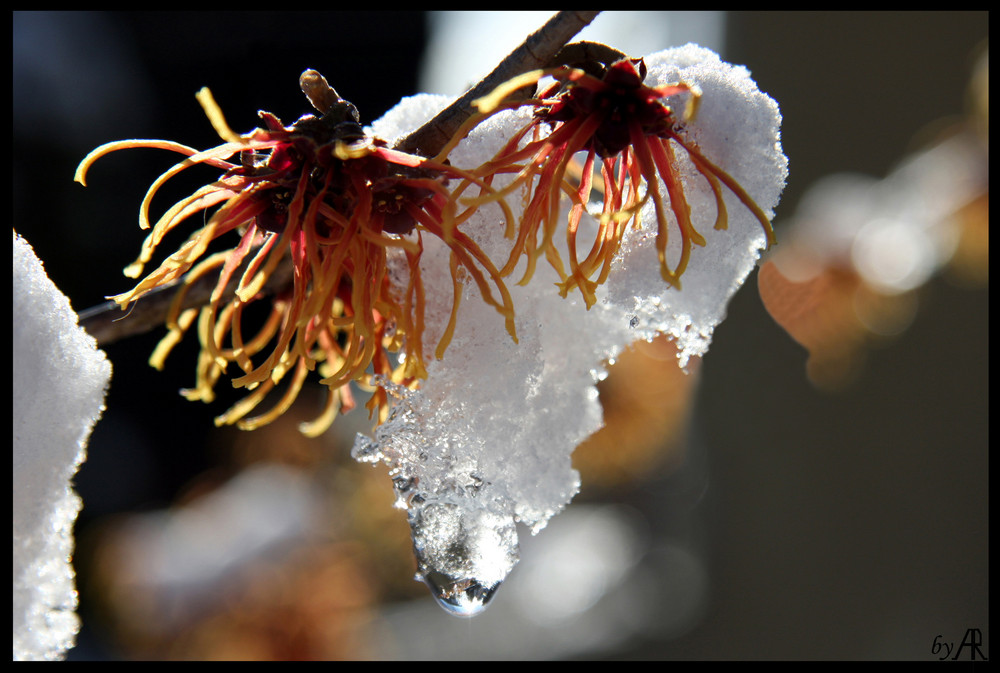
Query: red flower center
[{"x": 618, "y": 99}]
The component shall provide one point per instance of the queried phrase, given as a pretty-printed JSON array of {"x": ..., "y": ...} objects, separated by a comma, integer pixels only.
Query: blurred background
[{"x": 746, "y": 511}]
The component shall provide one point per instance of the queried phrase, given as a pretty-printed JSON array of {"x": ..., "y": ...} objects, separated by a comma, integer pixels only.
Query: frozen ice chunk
[
  {"x": 60, "y": 378},
  {"x": 487, "y": 439}
]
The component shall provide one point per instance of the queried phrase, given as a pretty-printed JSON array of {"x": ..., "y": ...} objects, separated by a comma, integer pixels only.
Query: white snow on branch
[{"x": 487, "y": 440}]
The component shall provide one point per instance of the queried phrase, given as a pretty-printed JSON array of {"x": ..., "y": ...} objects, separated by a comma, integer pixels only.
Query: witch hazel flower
[
  {"x": 336, "y": 200},
  {"x": 627, "y": 130},
  {"x": 484, "y": 445}
]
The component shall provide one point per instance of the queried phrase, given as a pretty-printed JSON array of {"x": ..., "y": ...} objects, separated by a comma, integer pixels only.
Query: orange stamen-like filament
[
  {"x": 701, "y": 161},
  {"x": 578, "y": 276},
  {"x": 541, "y": 164},
  {"x": 469, "y": 254},
  {"x": 340, "y": 314},
  {"x": 656, "y": 159}
]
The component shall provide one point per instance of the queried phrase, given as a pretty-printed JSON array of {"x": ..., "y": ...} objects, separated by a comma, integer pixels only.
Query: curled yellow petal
[{"x": 215, "y": 116}]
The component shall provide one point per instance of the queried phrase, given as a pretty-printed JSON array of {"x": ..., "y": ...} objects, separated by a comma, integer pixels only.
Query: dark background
[{"x": 840, "y": 526}]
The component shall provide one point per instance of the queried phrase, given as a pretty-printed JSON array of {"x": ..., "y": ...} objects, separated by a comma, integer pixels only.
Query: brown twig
[
  {"x": 537, "y": 51},
  {"x": 107, "y": 323}
]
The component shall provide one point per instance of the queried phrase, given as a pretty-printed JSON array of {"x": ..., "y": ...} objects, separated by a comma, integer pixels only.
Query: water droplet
[
  {"x": 464, "y": 552},
  {"x": 462, "y": 597}
]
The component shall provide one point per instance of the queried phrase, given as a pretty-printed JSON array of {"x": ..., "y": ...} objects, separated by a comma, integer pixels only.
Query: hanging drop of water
[
  {"x": 463, "y": 553},
  {"x": 462, "y": 597}
]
